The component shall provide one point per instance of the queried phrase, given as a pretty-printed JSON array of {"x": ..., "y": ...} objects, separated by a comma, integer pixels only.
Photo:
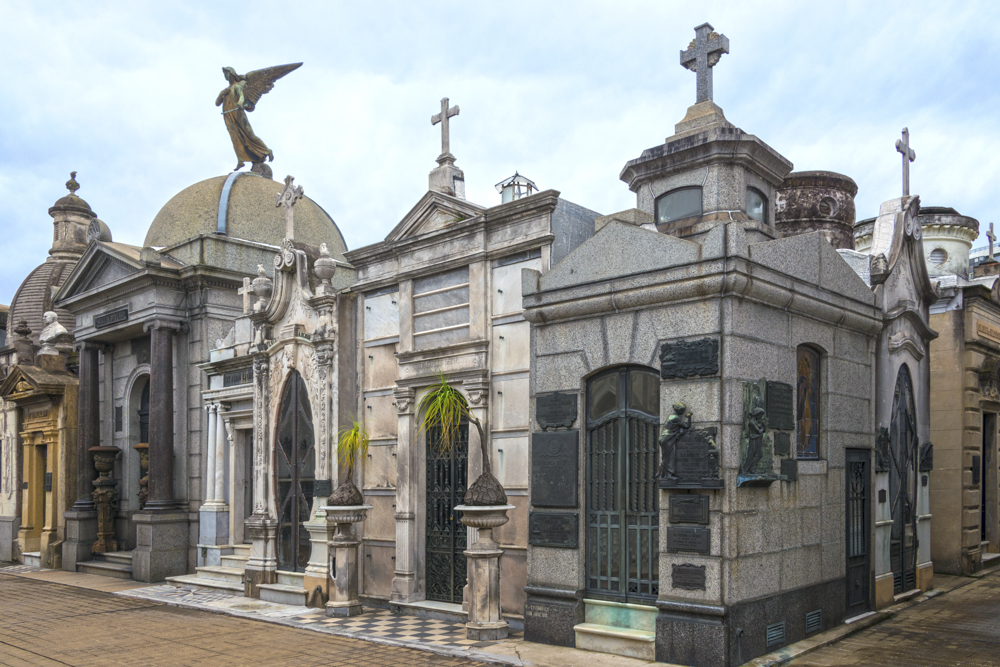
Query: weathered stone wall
[{"x": 817, "y": 201}]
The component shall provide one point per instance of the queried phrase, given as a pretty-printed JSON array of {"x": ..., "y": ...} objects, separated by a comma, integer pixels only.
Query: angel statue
[{"x": 241, "y": 96}]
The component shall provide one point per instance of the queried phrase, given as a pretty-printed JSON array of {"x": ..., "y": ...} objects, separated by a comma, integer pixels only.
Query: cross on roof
[
  {"x": 287, "y": 198},
  {"x": 903, "y": 146},
  {"x": 442, "y": 118},
  {"x": 702, "y": 54},
  {"x": 992, "y": 237}
]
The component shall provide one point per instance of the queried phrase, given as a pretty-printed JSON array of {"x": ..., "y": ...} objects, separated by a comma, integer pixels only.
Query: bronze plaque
[
  {"x": 689, "y": 509},
  {"x": 694, "y": 462},
  {"x": 554, "y": 466},
  {"x": 322, "y": 488},
  {"x": 691, "y": 577},
  {"x": 555, "y": 410},
  {"x": 554, "y": 529},
  {"x": 782, "y": 443},
  {"x": 111, "y": 317},
  {"x": 790, "y": 469},
  {"x": 689, "y": 538},
  {"x": 689, "y": 358},
  {"x": 780, "y": 406}
]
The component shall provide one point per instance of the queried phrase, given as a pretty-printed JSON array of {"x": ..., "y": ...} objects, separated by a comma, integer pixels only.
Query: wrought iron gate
[
  {"x": 447, "y": 477},
  {"x": 903, "y": 485},
  {"x": 623, "y": 409},
  {"x": 857, "y": 521},
  {"x": 294, "y": 468}
]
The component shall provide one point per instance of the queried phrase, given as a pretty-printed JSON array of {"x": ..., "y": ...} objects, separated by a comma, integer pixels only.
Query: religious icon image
[
  {"x": 807, "y": 408},
  {"x": 241, "y": 96}
]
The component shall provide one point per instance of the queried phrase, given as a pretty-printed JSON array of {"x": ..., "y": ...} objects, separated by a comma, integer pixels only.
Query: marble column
[
  {"x": 409, "y": 461},
  {"x": 81, "y": 519},
  {"x": 221, "y": 444},
  {"x": 213, "y": 517},
  {"x": 212, "y": 410}
]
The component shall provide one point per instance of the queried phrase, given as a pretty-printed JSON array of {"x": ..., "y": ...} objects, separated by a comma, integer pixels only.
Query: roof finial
[{"x": 71, "y": 184}]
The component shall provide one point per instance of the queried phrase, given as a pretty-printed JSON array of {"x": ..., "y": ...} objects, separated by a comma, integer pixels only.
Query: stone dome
[{"x": 249, "y": 212}]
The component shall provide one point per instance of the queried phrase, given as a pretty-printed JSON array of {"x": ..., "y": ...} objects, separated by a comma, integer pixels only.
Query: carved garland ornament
[{"x": 261, "y": 405}]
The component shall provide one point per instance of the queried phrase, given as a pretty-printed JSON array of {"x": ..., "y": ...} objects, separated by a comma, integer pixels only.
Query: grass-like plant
[
  {"x": 444, "y": 408},
  {"x": 352, "y": 447}
]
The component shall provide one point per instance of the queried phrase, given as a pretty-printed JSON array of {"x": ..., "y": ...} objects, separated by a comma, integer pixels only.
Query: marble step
[
  {"x": 232, "y": 560},
  {"x": 283, "y": 594},
  {"x": 241, "y": 550},
  {"x": 122, "y": 557},
  {"x": 291, "y": 578},
  {"x": 990, "y": 560},
  {"x": 611, "y": 639},
  {"x": 233, "y": 575},
  {"x": 200, "y": 582},
  {"x": 620, "y": 615},
  {"x": 105, "y": 568},
  {"x": 32, "y": 558}
]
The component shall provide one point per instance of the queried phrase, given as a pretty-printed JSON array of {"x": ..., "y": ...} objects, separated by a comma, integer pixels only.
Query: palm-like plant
[
  {"x": 445, "y": 408},
  {"x": 352, "y": 446}
]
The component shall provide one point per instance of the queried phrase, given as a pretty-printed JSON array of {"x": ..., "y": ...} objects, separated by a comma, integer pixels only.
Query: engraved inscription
[
  {"x": 690, "y": 539},
  {"x": 322, "y": 488},
  {"x": 555, "y": 410},
  {"x": 987, "y": 331},
  {"x": 112, "y": 317},
  {"x": 780, "y": 402},
  {"x": 689, "y": 358},
  {"x": 552, "y": 529},
  {"x": 689, "y": 509},
  {"x": 688, "y": 576},
  {"x": 554, "y": 468},
  {"x": 790, "y": 469},
  {"x": 782, "y": 444}
]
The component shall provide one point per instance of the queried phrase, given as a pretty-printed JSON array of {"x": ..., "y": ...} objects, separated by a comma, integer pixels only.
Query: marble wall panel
[
  {"x": 510, "y": 403},
  {"x": 515, "y": 531},
  {"x": 380, "y": 524},
  {"x": 560, "y": 372},
  {"x": 559, "y": 568},
  {"x": 586, "y": 336},
  {"x": 507, "y": 286},
  {"x": 380, "y": 473},
  {"x": 382, "y": 316},
  {"x": 380, "y": 416},
  {"x": 511, "y": 348},
  {"x": 511, "y": 461},
  {"x": 514, "y": 576},
  {"x": 380, "y": 566},
  {"x": 380, "y": 366}
]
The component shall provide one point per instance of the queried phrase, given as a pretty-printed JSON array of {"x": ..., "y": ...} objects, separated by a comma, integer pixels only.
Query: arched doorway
[
  {"x": 903, "y": 485},
  {"x": 623, "y": 524},
  {"x": 295, "y": 469},
  {"x": 446, "y": 537}
]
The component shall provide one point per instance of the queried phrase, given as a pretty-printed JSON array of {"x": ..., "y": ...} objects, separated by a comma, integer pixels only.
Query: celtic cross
[{"x": 702, "y": 54}]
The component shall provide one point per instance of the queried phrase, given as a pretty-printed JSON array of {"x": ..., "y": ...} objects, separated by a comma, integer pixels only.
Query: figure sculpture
[
  {"x": 677, "y": 425},
  {"x": 53, "y": 334},
  {"x": 756, "y": 425},
  {"x": 242, "y": 95}
]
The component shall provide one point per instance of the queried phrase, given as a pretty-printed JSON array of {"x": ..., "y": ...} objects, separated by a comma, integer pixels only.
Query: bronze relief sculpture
[{"x": 241, "y": 96}]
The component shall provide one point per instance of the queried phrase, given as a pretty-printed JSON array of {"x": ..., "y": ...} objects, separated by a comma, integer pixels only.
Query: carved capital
[
  {"x": 478, "y": 391},
  {"x": 170, "y": 325},
  {"x": 403, "y": 397}
]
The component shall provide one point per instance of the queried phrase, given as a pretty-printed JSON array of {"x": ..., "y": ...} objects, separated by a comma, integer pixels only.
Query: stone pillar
[
  {"x": 318, "y": 572},
  {"x": 343, "y": 551},
  {"x": 485, "y": 621},
  {"x": 162, "y": 526},
  {"x": 221, "y": 444},
  {"x": 404, "y": 581},
  {"x": 213, "y": 516},
  {"x": 212, "y": 410},
  {"x": 81, "y": 519}
]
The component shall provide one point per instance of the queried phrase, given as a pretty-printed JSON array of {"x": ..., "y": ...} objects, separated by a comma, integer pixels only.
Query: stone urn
[
  {"x": 343, "y": 553},
  {"x": 262, "y": 288},
  {"x": 485, "y": 622},
  {"x": 143, "y": 449},
  {"x": 325, "y": 267},
  {"x": 105, "y": 498}
]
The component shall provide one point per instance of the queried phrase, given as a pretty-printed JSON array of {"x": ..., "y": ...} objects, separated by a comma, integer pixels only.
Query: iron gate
[
  {"x": 623, "y": 530},
  {"x": 858, "y": 509},
  {"x": 447, "y": 477},
  {"x": 903, "y": 485},
  {"x": 294, "y": 468}
]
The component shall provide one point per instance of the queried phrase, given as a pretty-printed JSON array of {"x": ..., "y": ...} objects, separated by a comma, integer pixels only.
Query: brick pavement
[
  {"x": 43, "y": 623},
  {"x": 961, "y": 627}
]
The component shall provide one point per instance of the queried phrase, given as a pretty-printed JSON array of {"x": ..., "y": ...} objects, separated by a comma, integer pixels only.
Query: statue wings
[{"x": 261, "y": 81}]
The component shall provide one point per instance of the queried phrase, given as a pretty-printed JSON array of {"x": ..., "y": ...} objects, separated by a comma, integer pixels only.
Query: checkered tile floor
[
  {"x": 189, "y": 594},
  {"x": 382, "y": 624},
  {"x": 19, "y": 569}
]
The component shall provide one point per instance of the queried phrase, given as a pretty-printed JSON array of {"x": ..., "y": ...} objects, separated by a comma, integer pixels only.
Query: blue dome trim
[{"x": 224, "y": 200}]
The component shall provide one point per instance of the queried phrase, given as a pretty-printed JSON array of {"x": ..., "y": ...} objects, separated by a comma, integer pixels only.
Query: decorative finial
[
  {"x": 702, "y": 54},
  {"x": 992, "y": 237},
  {"x": 287, "y": 198},
  {"x": 446, "y": 113},
  {"x": 903, "y": 146},
  {"x": 22, "y": 328},
  {"x": 71, "y": 184}
]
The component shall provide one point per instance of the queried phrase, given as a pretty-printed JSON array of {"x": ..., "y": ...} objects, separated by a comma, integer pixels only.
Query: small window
[
  {"x": 938, "y": 256},
  {"x": 604, "y": 396},
  {"x": 679, "y": 204},
  {"x": 644, "y": 394},
  {"x": 757, "y": 205},
  {"x": 807, "y": 408}
]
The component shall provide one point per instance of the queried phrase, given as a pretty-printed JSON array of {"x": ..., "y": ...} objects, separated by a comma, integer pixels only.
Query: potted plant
[{"x": 352, "y": 447}]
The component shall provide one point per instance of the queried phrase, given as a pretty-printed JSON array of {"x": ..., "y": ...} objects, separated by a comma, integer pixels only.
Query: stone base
[
  {"x": 161, "y": 549},
  {"x": 252, "y": 580},
  {"x": 213, "y": 525},
  {"x": 925, "y": 576},
  {"x": 351, "y": 608},
  {"x": 318, "y": 588},
  {"x": 884, "y": 595},
  {"x": 482, "y": 632},
  {"x": 550, "y": 614},
  {"x": 689, "y": 634},
  {"x": 8, "y": 538}
]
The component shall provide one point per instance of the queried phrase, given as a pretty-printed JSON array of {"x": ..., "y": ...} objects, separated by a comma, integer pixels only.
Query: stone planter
[
  {"x": 343, "y": 550},
  {"x": 105, "y": 498},
  {"x": 485, "y": 621}
]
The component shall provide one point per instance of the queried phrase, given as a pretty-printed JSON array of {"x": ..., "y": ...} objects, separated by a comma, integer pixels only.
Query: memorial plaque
[
  {"x": 554, "y": 466},
  {"x": 790, "y": 469},
  {"x": 689, "y": 358},
  {"x": 112, "y": 317},
  {"x": 322, "y": 488},
  {"x": 242, "y": 376},
  {"x": 118, "y": 419},
  {"x": 48, "y": 481},
  {"x": 554, "y": 529},
  {"x": 782, "y": 444},
  {"x": 977, "y": 465},
  {"x": 688, "y": 576},
  {"x": 780, "y": 406},
  {"x": 692, "y": 462},
  {"x": 689, "y": 538},
  {"x": 140, "y": 348},
  {"x": 689, "y": 509},
  {"x": 555, "y": 410}
]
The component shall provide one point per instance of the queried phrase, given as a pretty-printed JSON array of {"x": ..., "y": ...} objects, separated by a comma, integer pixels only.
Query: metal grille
[
  {"x": 295, "y": 469},
  {"x": 775, "y": 634},
  {"x": 447, "y": 474},
  {"x": 903, "y": 485},
  {"x": 814, "y": 621},
  {"x": 622, "y": 500},
  {"x": 857, "y": 524}
]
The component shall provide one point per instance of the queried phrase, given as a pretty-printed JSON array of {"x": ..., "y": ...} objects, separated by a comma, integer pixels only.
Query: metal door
[
  {"x": 857, "y": 520},
  {"x": 447, "y": 477},
  {"x": 295, "y": 469},
  {"x": 623, "y": 524},
  {"x": 247, "y": 450},
  {"x": 903, "y": 485}
]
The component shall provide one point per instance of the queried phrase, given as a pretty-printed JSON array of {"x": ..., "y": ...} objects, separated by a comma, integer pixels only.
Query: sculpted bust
[{"x": 53, "y": 334}]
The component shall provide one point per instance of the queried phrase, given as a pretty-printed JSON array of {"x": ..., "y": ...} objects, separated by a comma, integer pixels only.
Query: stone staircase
[
  {"x": 117, "y": 564},
  {"x": 990, "y": 559},
  {"x": 33, "y": 558},
  {"x": 616, "y": 628},
  {"x": 227, "y": 576},
  {"x": 288, "y": 590}
]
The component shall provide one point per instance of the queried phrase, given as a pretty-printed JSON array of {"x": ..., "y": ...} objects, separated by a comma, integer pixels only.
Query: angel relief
[{"x": 241, "y": 96}]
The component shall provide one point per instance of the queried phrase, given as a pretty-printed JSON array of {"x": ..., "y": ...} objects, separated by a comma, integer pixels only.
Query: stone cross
[
  {"x": 442, "y": 118},
  {"x": 903, "y": 146},
  {"x": 247, "y": 293},
  {"x": 992, "y": 237},
  {"x": 287, "y": 198},
  {"x": 702, "y": 54}
]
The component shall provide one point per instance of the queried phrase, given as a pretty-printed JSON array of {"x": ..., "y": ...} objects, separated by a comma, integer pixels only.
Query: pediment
[
  {"x": 811, "y": 258},
  {"x": 618, "y": 250},
  {"x": 17, "y": 383},
  {"x": 98, "y": 267},
  {"x": 434, "y": 211},
  {"x": 897, "y": 254}
]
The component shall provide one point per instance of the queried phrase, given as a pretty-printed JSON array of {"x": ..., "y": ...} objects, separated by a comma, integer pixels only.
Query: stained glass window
[{"x": 807, "y": 412}]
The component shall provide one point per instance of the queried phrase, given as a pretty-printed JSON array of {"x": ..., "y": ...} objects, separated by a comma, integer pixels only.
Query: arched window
[
  {"x": 807, "y": 408},
  {"x": 757, "y": 205},
  {"x": 678, "y": 204}
]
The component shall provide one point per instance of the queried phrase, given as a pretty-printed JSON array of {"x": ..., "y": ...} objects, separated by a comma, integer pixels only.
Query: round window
[
  {"x": 938, "y": 256},
  {"x": 828, "y": 207}
]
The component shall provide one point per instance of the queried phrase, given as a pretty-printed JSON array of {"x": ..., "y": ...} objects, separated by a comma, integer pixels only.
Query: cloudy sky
[{"x": 564, "y": 92}]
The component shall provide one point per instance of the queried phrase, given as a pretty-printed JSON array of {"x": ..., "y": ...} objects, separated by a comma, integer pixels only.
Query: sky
[{"x": 562, "y": 92}]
